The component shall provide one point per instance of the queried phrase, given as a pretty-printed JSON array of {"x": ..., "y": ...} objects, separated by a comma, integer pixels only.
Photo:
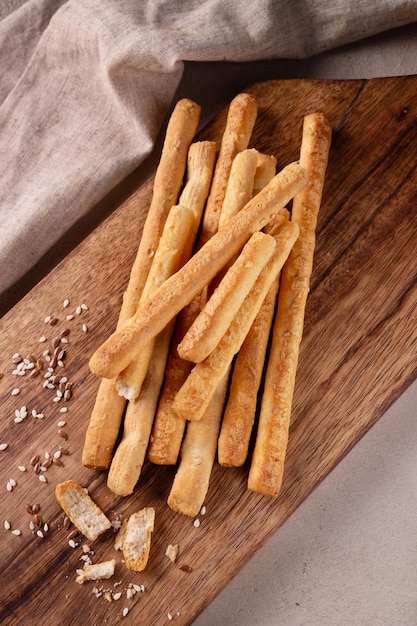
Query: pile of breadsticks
[{"x": 213, "y": 312}]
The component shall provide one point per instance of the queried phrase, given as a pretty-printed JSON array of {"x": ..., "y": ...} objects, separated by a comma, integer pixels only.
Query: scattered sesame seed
[
  {"x": 3, "y": 446},
  {"x": 42, "y": 339},
  {"x": 169, "y": 616},
  {"x": 16, "y": 532},
  {"x": 61, "y": 424},
  {"x": 117, "y": 596},
  {"x": 72, "y": 543},
  {"x": 84, "y": 307},
  {"x": 65, "y": 303},
  {"x": 42, "y": 478},
  {"x": 64, "y": 409},
  {"x": 203, "y": 510},
  {"x": 78, "y": 310},
  {"x": 125, "y": 611},
  {"x": 70, "y": 317},
  {"x": 47, "y": 319},
  {"x": 85, "y": 328},
  {"x": 196, "y": 523},
  {"x": 57, "y": 454},
  {"x": 15, "y": 391},
  {"x": 21, "y": 468},
  {"x": 7, "y": 525},
  {"x": 40, "y": 534}
]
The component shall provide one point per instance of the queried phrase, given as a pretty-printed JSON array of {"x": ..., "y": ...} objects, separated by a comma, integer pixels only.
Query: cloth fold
[{"x": 86, "y": 85}]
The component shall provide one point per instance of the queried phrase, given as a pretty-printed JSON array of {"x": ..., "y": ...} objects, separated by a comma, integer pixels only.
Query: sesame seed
[
  {"x": 40, "y": 534},
  {"x": 169, "y": 616},
  {"x": 15, "y": 391},
  {"x": 16, "y": 532},
  {"x": 47, "y": 319},
  {"x": 196, "y": 523},
  {"x": 203, "y": 510},
  {"x": 57, "y": 454},
  {"x": 72, "y": 543},
  {"x": 117, "y": 596},
  {"x": 21, "y": 468},
  {"x": 7, "y": 525},
  {"x": 31, "y": 525},
  {"x": 42, "y": 339},
  {"x": 61, "y": 424},
  {"x": 42, "y": 478},
  {"x": 64, "y": 409},
  {"x": 65, "y": 303},
  {"x": 125, "y": 611},
  {"x": 70, "y": 316},
  {"x": 85, "y": 328},
  {"x": 3, "y": 446},
  {"x": 78, "y": 310},
  {"x": 84, "y": 307}
]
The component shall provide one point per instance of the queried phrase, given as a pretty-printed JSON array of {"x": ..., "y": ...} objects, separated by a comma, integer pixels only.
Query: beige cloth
[{"x": 85, "y": 86}]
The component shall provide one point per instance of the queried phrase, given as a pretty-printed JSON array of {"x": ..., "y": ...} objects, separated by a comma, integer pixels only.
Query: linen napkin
[{"x": 86, "y": 84}]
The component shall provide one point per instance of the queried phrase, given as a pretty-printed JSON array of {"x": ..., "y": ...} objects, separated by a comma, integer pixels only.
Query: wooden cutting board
[{"x": 357, "y": 356}]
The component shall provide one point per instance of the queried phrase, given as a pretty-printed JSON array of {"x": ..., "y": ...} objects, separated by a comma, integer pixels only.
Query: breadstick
[
  {"x": 215, "y": 318},
  {"x": 239, "y": 187},
  {"x": 194, "y": 396},
  {"x": 267, "y": 467},
  {"x": 198, "y": 452},
  {"x": 176, "y": 292},
  {"x": 240, "y": 121},
  {"x": 107, "y": 414},
  {"x": 128, "y": 459},
  {"x": 168, "y": 427}
]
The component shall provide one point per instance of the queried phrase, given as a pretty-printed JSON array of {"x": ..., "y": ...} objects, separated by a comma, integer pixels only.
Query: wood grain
[{"x": 357, "y": 356}]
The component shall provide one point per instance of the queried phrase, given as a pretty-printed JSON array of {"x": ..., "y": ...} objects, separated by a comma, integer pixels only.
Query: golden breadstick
[
  {"x": 176, "y": 292},
  {"x": 265, "y": 170},
  {"x": 168, "y": 258},
  {"x": 239, "y": 187},
  {"x": 267, "y": 467},
  {"x": 107, "y": 414},
  {"x": 198, "y": 452},
  {"x": 215, "y": 318},
  {"x": 192, "y": 399},
  {"x": 128, "y": 459},
  {"x": 168, "y": 428},
  {"x": 240, "y": 121}
]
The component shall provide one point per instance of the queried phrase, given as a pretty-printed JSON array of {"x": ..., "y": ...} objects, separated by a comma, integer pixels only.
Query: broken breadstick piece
[
  {"x": 215, "y": 318},
  {"x": 107, "y": 414},
  {"x": 192, "y": 399},
  {"x": 97, "y": 571},
  {"x": 267, "y": 466},
  {"x": 83, "y": 512},
  {"x": 176, "y": 292},
  {"x": 137, "y": 538}
]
